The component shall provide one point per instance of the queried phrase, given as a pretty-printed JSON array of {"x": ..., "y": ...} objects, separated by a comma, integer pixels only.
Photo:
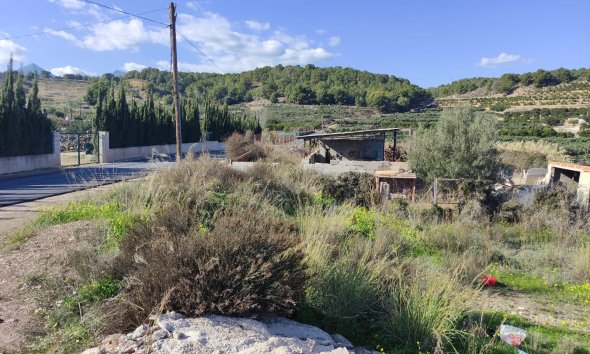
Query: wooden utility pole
[{"x": 175, "y": 81}]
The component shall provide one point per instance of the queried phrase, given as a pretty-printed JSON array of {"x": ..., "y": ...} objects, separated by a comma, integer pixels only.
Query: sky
[{"x": 429, "y": 42}]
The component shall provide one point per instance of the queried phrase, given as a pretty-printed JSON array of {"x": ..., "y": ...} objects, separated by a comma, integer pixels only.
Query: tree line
[
  {"x": 24, "y": 126},
  {"x": 292, "y": 84},
  {"x": 148, "y": 123},
  {"x": 509, "y": 82}
]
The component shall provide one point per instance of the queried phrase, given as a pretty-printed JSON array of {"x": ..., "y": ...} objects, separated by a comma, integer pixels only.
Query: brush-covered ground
[{"x": 203, "y": 238}]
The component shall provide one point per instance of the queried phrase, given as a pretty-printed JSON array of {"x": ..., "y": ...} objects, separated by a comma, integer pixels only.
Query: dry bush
[
  {"x": 285, "y": 154},
  {"x": 510, "y": 211},
  {"x": 581, "y": 264},
  {"x": 192, "y": 183},
  {"x": 359, "y": 188},
  {"x": 243, "y": 147},
  {"x": 284, "y": 187},
  {"x": 248, "y": 264}
]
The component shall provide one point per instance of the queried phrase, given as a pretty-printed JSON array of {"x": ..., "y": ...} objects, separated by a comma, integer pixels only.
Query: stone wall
[{"x": 24, "y": 163}]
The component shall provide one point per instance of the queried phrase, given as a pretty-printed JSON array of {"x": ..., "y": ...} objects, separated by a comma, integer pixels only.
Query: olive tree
[{"x": 460, "y": 145}]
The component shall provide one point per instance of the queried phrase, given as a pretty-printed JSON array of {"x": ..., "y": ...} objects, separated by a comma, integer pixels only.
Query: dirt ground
[
  {"x": 544, "y": 311},
  {"x": 44, "y": 253}
]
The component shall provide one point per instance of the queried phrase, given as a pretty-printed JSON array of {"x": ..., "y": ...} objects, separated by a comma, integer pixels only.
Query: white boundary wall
[
  {"x": 146, "y": 152},
  {"x": 24, "y": 163}
]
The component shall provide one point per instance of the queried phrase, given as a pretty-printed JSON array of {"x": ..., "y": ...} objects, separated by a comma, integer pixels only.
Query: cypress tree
[{"x": 24, "y": 127}]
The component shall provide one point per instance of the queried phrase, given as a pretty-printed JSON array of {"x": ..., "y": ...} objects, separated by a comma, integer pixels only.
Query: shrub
[
  {"x": 358, "y": 188},
  {"x": 282, "y": 193},
  {"x": 363, "y": 223},
  {"x": 247, "y": 264},
  {"x": 581, "y": 264},
  {"x": 242, "y": 147},
  {"x": 460, "y": 145},
  {"x": 510, "y": 211}
]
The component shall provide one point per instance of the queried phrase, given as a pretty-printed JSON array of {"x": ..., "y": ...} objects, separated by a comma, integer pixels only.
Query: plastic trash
[
  {"x": 488, "y": 280},
  {"x": 512, "y": 335}
]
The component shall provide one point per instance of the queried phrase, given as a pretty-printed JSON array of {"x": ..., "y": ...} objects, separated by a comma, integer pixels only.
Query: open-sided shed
[{"x": 360, "y": 145}]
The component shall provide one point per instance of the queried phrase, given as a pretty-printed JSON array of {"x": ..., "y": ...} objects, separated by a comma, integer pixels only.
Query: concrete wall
[
  {"x": 583, "y": 192},
  {"x": 146, "y": 152},
  {"x": 356, "y": 149},
  {"x": 16, "y": 164}
]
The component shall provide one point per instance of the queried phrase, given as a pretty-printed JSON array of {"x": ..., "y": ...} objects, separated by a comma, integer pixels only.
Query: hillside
[
  {"x": 307, "y": 85},
  {"x": 574, "y": 94},
  {"x": 545, "y": 105}
]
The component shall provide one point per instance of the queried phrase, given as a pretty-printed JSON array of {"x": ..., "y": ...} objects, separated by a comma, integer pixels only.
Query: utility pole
[{"x": 175, "y": 81}]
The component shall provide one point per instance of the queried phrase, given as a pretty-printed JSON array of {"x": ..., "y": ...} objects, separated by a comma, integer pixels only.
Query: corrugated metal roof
[{"x": 357, "y": 132}]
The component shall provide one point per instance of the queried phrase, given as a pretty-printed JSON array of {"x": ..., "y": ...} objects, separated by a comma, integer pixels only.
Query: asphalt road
[{"x": 20, "y": 189}]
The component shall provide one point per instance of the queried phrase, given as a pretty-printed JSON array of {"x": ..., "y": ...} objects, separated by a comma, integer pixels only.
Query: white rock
[
  {"x": 160, "y": 334},
  {"x": 341, "y": 341},
  {"x": 220, "y": 334},
  {"x": 139, "y": 332}
]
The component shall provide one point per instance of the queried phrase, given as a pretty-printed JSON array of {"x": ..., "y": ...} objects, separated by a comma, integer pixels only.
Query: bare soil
[
  {"x": 43, "y": 254},
  {"x": 538, "y": 309}
]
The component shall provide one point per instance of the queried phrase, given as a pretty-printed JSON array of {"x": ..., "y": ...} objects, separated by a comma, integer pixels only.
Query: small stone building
[{"x": 574, "y": 177}]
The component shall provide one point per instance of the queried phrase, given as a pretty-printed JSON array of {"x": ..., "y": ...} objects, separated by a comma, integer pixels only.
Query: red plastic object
[{"x": 488, "y": 280}]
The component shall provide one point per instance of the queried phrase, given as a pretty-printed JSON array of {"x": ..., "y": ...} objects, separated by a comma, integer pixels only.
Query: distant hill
[
  {"x": 309, "y": 85},
  {"x": 118, "y": 73},
  {"x": 508, "y": 83},
  {"x": 32, "y": 68}
]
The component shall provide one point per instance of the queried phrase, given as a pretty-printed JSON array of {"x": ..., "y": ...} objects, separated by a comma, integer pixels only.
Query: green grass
[
  {"x": 63, "y": 307},
  {"x": 523, "y": 282}
]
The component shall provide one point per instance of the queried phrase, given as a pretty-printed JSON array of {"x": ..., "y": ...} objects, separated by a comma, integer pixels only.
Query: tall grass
[{"x": 278, "y": 240}]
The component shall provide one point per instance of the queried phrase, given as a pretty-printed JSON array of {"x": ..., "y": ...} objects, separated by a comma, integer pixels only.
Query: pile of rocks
[{"x": 173, "y": 333}]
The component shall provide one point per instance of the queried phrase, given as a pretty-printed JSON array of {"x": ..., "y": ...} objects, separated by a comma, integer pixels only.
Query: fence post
[
  {"x": 57, "y": 148},
  {"x": 103, "y": 146},
  {"x": 78, "y": 139},
  {"x": 435, "y": 191}
]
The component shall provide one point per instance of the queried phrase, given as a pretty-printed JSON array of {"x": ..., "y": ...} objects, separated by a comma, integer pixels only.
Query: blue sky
[{"x": 428, "y": 42}]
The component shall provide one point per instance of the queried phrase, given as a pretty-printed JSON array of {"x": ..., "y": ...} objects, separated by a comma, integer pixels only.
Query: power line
[
  {"x": 161, "y": 23},
  {"x": 200, "y": 51},
  {"x": 125, "y": 12},
  {"x": 128, "y": 14},
  {"x": 49, "y": 31}
]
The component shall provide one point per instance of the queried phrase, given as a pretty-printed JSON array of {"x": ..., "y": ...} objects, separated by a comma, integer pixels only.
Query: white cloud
[
  {"x": 257, "y": 26},
  {"x": 230, "y": 49},
  {"x": 62, "y": 34},
  {"x": 116, "y": 35},
  {"x": 197, "y": 5},
  {"x": 501, "y": 59},
  {"x": 130, "y": 66},
  {"x": 121, "y": 35},
  {"x": 8, "y": 48},
  {"x": 320, "y": 31},
  {"x": 80, "y": 8},
  {"x": 334, "y": 41},
  {"x": 68, "y": 69},
  {"x": 235, "y": 51},
  {"x": 74, "y": 23},
  {"x": 70, "y": 4}
]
